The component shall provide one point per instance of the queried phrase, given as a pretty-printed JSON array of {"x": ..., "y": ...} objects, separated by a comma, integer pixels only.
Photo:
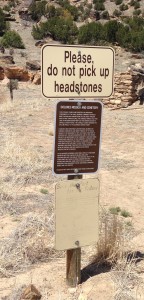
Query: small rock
[
  {"x": 31, "y": 293},
  {"x": 117, "y": 102},
  {"x": 82, "y": 297},
  {"x": 33, "y": 65},
  {"x": 72, "y": 290},
  {"x": 37, "y": 78}
]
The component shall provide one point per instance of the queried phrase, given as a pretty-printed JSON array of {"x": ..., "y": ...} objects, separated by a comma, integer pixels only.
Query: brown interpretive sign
[
  {"x": 77, "y": 71},
  {"x": 77, "y": 137}
]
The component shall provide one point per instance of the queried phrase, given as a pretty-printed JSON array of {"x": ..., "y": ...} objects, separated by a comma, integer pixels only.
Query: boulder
[
  {"x": 20, "y": 73},
  {"x": 31, "y": 293},
  {"x": 33, "y": 65},
  {"x": 2, "y": 73},
  {"x": 6, "y": 59},
  {"x": 40, "y": 43}
]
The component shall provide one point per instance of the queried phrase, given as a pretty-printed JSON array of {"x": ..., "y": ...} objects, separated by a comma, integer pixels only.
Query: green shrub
[
  {"x": 12, "y": 39},
  {"x": 115, "y": 210},
  {"x": 123, "y": 7},
  {"x": 118, "y": 2},
  {"x": 37, "y": 10},
  {"x": 90, "y": 33},
  {"x": 111, "y": 29},
  {"x": 132, "y": 2},
  {"x": 117, "y": 13},
  {"x": 59, "y": 28},
  {"x": 136, "y": 5},
  {"x": 105, "y": 15},
  {"x": 72, "y": 9},
  {"x": 99, "y": 6},
  {"x": 137, "y": 12},
  {"x": 2, "y": 22},
  {"x": 125, "y": 213},
  {"x": 6, "y": 8},
  {"x": 44, "y": 191}
]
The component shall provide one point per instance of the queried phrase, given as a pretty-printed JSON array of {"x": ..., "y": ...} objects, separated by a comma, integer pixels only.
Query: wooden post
[{"x": 73, "y": 258}]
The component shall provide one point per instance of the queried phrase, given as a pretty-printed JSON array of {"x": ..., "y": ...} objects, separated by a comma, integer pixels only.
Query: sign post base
[
  {"x": 73, "y": 258},
  {"x": 73, "y": 267}
]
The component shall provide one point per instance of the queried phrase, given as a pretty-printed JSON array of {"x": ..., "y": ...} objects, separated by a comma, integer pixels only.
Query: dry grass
[
  {"x": 113, "y": 236},
  {"x": 29, "y": 243},
  {"x": 128, "y": 283}
]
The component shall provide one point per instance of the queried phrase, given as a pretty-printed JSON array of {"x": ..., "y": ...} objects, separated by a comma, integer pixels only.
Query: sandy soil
[{"x": 28, "y": 123}]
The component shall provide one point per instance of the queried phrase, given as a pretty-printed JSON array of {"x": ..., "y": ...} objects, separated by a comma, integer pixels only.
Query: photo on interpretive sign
[
  {"x": 77, "y": 137},
  {"x": 77, "y": 71}
]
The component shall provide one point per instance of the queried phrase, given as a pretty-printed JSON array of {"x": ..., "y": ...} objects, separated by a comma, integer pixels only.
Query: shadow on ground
[
  {"x": 96, "y": 269},
  {"x": 92, "y": 270}
]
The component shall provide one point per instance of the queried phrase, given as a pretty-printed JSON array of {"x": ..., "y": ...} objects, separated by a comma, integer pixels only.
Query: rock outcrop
[
  {"x": 33, "y": 65},
  {"x": 19, "y": 73},
  {"x": 6, "y": 59}
]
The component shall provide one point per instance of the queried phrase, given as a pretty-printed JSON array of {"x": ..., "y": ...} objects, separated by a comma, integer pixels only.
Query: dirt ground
[{"x": 26, "y": 131}]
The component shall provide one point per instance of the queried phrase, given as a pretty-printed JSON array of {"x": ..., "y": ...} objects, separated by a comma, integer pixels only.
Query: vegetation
[
  {"x": 123, "y": 7},
  {"x": 125, "y": 213},
  {"x": 128, "y": 34},
  {"x": 12, "y": 39},
  {"x": 60, "y": 28},
  {"x": 2, "y": 22},
  {"x": 118, "y": 2},
  {"x": 117, "y": 13},
  {"x": 117, "y": 210},
  {"x": 114, "y": 234},
  {"x": 44, "y": 191},
  {"x": 38, "y": 9}
]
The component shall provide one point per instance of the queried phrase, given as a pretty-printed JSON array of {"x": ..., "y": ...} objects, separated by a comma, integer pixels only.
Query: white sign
[
  {"x": 76, "y": 213},
  {"x": 77, "y": 71}
]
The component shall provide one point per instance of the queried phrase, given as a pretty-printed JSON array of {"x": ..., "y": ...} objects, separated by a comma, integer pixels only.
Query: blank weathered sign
[{"x": 76, "y": 213}]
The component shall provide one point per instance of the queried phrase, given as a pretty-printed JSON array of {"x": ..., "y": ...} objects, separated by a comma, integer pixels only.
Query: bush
[
  {"x": 59, "y": 28},
  {"x": 137, "y": 12},
  {"x": 105, "y": 15},
  {"x": 117, "y": 13},
  {"x": 114, "y": 234},
  {"x": 37, "y": 10},
  {"x": 12, "y": 39},
  {"x": 123, "y": 7},
  {"x": 132, "y": 2},
  {"x": 99, "y": 6},
  {"x": 118, "y": 2},
  {"x": 90, "y": 33},
  {"x": 6, "y": 8},
  {"x": 111, "y": 29},
  {"x": 2, "y": 22},
  {"x": 72, "y": 9},
  {"x": 136, "y": 5}
]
